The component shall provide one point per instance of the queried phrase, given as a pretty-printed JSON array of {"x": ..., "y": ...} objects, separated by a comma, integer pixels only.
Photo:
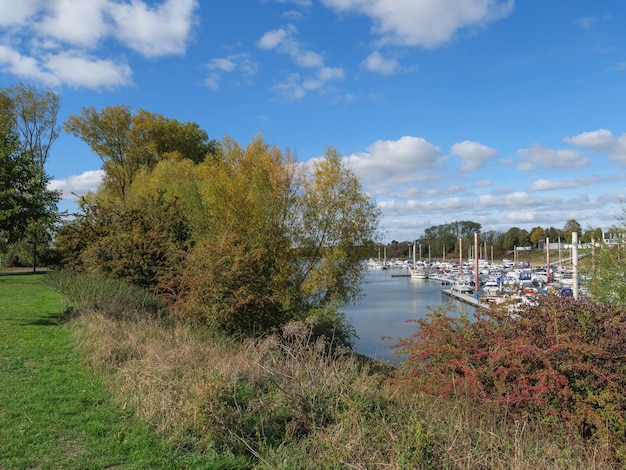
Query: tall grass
[
  {"x": 286, "y": 403},
  {"x": 98, "y": 293},
  {"x": 289, "y": 400}
]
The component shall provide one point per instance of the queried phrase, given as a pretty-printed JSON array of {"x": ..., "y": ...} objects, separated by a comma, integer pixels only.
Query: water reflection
[{"x": 387, "y": 304}]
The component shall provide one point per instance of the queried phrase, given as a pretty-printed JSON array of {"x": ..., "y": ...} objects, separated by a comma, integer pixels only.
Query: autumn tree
[
  {"x": 33, "y": 115},
  {"x": 537, "y": 235},
  {"x": 244, "y": 241},
  {"x": 332, "y": 223},
  {"x": 128, "y": 142}
]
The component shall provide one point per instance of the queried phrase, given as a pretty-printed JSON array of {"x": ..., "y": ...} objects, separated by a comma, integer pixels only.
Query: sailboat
[{"x": 420, "y": 269}]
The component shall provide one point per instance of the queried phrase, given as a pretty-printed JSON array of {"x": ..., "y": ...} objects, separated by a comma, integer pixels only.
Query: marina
[{"x": 393, "y": 297}]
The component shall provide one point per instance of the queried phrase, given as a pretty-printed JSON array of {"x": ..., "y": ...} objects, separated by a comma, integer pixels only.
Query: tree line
[{"x": 444, "y": 238}]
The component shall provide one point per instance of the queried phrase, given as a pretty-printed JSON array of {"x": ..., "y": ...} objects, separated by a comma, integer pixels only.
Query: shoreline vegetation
[{"x": 91, "y": 390}]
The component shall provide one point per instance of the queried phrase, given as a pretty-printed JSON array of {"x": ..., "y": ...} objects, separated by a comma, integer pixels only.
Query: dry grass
[{"x": 288, "y": 401}]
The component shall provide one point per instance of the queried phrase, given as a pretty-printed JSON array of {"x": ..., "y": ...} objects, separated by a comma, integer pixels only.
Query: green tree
[
  {"x": 515, "y": 236},
  {"x": 29, "y": 118},
  {"x": 571, "y": 226},
  {"x": 446, "y": 236},
  {"x": 555, "y": 234},
  {"x": 15, "y": 179},
  {"x": 607, "y": 269}
]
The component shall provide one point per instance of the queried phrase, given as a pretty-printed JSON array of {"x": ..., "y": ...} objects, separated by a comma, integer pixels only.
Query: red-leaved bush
[{"x": 559, "y": 362}]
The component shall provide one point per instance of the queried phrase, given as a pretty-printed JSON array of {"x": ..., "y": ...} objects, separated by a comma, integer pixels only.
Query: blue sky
[{"x": 502, "y": 112}]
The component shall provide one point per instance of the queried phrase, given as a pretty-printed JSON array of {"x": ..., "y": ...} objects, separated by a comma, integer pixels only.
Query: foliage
[
  {"x": 140, "y": 241},
  {"x": 514, "y": 237},
  {"x": 28, "y": 209},
  {"x": 330, "y": 227},
  {"x": 571, "y": 226},
  {"x": 20, "y": 254},
  {"x": 559, "y": 362},
  {"x": 537, "y": 235},
  {"x": 446, "y": 236},
  {"x": 608, "y": 274},
  {"x": 33, "y": 115},
  {"x": 228, "y": 285},
  {"x": 128, "y": 142},
  {"x": 15, "y": 180},
  {"x": 245, "y": 241},
  {"x": 607, "y": 269},
  {"x": 25, "y": 202}
]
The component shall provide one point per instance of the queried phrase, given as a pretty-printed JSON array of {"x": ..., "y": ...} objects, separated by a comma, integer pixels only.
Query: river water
[{"x": 389, "y": 301}]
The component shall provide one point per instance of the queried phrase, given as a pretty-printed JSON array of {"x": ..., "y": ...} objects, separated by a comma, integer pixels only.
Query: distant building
[{"x": 614, "y": 237}]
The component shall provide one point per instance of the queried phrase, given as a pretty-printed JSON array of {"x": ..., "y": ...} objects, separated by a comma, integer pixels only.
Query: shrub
[{"x": 558, "y": 362}]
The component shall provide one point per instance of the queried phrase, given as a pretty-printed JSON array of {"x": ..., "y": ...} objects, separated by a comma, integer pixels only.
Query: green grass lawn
[{"x": 53, "y": 412}]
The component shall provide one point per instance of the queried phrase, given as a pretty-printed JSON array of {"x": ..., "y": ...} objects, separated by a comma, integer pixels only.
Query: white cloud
[
  {"x": 48, "y": 36},
  {"x": 544, "y": 157},
  {"x": 548, "y": 185},
  {"x": 411, "y": 181},
  {"x": 154, "y": 31},
  {"x": 76, "y": 22},
  {"x": 426, "y": 23},
  {"x": 602, "y": 140},
  {"x": 521, "y": 217},
  {"x": 272, "y": 39},
  {"x": 13, "y": 12},
  {"x": 284, "y": 42},
  {"x": 79, "y": 184},
  {"x": 88, "y": 72},
  {"x": 387, "y": 163},
  {"x": 474, "y": 155},
  {"x": 413, "y": 206},
  {"x": 512, "y": 200},
  {"x": 296, "y": 86},
  {"x": 25, "y": 67},
  {"x": 378, "y": 63},
  {"x": 236, "y": 63}
]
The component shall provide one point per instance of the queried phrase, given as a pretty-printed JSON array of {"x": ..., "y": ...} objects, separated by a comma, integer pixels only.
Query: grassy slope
[{"x": 54, "y": 414}]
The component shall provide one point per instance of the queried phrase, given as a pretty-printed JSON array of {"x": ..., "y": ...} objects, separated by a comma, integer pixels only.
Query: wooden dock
[{"x": 468, "y": 299}]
